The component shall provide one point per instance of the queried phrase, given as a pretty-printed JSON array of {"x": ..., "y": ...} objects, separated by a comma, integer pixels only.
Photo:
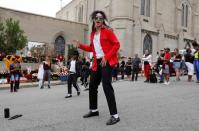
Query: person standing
[
  {"x": 40, "y": 75},
  {"x": 136, "y": 67},
  {"x": 166, "y": 66},
  {"x": 104, "y": 45},
  {"x": 196, "y": 60},
  {"x": 15, "y": 74},
  {"x": 47, "y": 71},
  {"x": 147, "y": 58},
  {"x": 159, "y": 64},
  {"x": 85, "y": 72},
  {"x": 189, "y": 58},
  {"x": 177, "y": 63},
  {"x": 74, "y": 72},
  {"x": 128, "y": 68},
  {"x": 122, "y": 68}
]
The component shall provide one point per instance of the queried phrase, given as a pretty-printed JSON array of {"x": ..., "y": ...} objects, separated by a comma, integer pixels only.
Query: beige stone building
[
  {"x": 48, "y": 30},
  {"x": 142, "y": 24}
]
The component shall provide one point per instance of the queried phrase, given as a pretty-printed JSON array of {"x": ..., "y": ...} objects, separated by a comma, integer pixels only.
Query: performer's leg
[{"x": 108, "y": 89}]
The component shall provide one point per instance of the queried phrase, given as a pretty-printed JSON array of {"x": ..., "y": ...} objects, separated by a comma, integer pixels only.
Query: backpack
[{"x": 152, "y": 77}]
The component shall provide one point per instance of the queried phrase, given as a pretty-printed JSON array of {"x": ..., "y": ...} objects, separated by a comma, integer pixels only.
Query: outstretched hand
[
  {"x": 104, "y": 61},
  {"x": 76, "y": 43}
]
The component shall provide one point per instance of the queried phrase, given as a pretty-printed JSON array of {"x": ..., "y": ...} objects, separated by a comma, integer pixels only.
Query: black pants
[
  {"x": 122, "y": 72},
  {"x": 104, "y": 74},
  {"x": 135, "y": 72},
  {"x": 85, "y": 75},
  {"x": 72, "y": 80}
]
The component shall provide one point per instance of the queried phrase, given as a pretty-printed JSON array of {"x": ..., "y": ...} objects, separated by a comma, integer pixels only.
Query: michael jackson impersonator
[{"x": 104, "y": 45}]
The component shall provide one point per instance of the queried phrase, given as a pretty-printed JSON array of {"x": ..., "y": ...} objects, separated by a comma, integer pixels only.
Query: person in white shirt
[
  {"x": 74, "y": 69},
  {"x": 147, "y": 58}
]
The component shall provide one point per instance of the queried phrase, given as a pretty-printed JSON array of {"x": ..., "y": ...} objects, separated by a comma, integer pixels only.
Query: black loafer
[
  {"x": 91, "y": 114},
  {"x": 78, "y": 93},
  {"x": 112, "y": 120},
  {"x": 68, "y": 96},
  {"x": 86, "y": 89}
]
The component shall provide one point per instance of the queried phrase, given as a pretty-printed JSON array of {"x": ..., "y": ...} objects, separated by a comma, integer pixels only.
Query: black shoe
[
  {"x": 49, "y": 86},
  {"x": 78, "y": 93},
  {"x": 147, "y": 81},
  {"x": 86, "y": 85},
  {"x": 86, "y": 89},
  {"x": 161, "y": 81},
  {"x": 41, "y": 87},
  {"x": 91, "y": 114},
  {"x": 68, "y": 96},
  {"x": 112, "y": 120}
]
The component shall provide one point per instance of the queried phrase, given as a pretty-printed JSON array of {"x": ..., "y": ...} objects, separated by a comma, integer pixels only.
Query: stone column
[{"x": 121, "y": 21}]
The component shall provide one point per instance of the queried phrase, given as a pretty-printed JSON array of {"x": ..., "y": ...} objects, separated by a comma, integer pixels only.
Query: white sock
[
  {"x": 94, "y": 110},
  {"x": 116, "y": 115},
  {"x": 69, "y": 94}
]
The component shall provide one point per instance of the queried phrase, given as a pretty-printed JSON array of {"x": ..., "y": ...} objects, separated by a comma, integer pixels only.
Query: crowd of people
[{"x": 167, "y": 63}]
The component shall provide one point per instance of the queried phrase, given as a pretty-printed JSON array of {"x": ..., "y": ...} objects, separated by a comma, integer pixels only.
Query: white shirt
[
  {"x": 97, "y": 45},
  {"x": 72, "y": 66},
  {"x": 148, "y": 58},
  {"x": 40, "y": 74}
]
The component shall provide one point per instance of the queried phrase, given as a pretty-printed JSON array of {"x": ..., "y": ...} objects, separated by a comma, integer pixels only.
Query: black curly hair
[{"x": 93, "y": 15}]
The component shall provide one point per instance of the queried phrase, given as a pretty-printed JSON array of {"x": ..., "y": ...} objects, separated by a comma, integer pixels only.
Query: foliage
[
  {"x": 2, "y": 38},
  {"x": 11, "y": 36}
]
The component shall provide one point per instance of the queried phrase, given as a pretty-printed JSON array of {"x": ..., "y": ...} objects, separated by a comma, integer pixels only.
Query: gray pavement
[{"x": 141, "y": 106}]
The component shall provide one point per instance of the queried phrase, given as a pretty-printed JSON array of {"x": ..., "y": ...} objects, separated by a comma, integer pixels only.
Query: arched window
[
  {"x": 186, "y": 17},
  {"x": 185, "y": 13},
  {"x": 145, "y": 7},
  {"x": 60, "y": 45},
  {"x": 147, "y": 44}
]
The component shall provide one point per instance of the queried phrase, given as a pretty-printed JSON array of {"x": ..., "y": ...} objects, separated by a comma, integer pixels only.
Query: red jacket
[{"x": 110, "y": 46}]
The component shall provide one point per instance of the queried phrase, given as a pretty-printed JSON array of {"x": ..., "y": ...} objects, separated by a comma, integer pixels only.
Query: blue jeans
[{"x": 196, "y": 68}]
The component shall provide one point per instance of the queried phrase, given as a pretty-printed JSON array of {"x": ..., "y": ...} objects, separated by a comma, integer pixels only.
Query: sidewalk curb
[{"x": 30, "y": 85}]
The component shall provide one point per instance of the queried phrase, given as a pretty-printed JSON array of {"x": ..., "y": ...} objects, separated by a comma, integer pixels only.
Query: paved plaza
[{"x": 142, "y": 107}]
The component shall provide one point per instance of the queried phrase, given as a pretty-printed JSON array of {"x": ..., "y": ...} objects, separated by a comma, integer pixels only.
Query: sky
[{"x": 41, "y": 7}]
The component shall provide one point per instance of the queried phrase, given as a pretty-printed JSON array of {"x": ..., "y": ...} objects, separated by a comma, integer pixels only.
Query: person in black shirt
[
  {"x": 128, "y": 68},
  {"x": 189, "y": 58},
  {"x": 85, "y": 72},
  {"x": 122, "y": 69},
  {"x": 159, "y": 65},
  {"x": 136, "y": 67}
]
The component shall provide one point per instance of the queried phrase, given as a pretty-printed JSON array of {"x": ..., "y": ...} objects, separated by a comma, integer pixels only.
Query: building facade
[
  {"x": 142, "y": 24},
  {"x": 50, "y": 31}
]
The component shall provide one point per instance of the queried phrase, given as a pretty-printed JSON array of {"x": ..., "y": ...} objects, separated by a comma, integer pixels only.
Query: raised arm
[{"x": 83, "y": 46}]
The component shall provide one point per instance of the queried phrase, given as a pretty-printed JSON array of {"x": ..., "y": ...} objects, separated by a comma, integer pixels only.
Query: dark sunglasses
[{"x": 99, "y": 19}]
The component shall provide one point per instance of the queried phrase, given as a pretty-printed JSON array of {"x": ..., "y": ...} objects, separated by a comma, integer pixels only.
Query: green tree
[
  {"x": 2, "y": 37},
  {"x": 15, "y": 39}
]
